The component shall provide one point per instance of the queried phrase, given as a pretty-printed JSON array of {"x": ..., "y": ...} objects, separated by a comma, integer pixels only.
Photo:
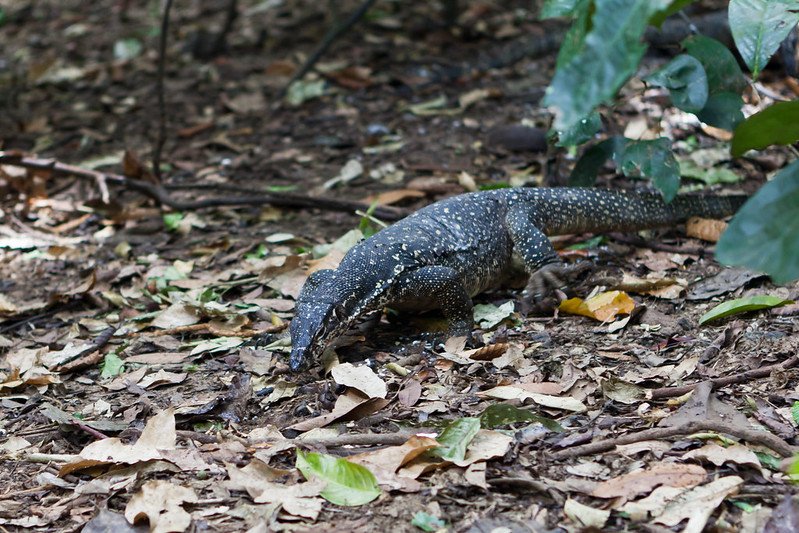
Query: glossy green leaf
[
  {"x": 654, "y": 160},
  {"x": 769, "y": 461},
  {"x": 658, "y": 18},
  {"x": 582, "y": 132},
  {"x": 742, "y": 305},
  {"x": 454, "y": 440},
  {"x": 427, "y": 522},
  {"x": 721, "y": 67},
  {"x": 347, "y": 483},
  {"x": 502, "y": 414},
  {"x": 609, "y": 56},
  {"x": 172, "y": 220},
  {"x": 709, "y": 176},
  {"x": 764, "y": 234},
  {"x": 574, "y": 39},
  {"x": 722, "y": 110},
  {"x": 591, "y": 162},
  {"x": 759, "y": 26},
  {"x": 684, "y": 77},
  {"x": 777, "y": 124},
  {"x": 559, "y": 8}
]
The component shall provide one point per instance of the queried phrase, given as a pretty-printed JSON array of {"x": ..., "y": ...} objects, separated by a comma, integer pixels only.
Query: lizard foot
[{"x": 543, "y": 291}]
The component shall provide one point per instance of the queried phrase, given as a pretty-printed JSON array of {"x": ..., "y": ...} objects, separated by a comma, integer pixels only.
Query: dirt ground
[{"x": 115, "y": 312}]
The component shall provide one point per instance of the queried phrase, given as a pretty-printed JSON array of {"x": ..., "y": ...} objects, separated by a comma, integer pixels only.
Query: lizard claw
[{"x": 546, "y": 283}]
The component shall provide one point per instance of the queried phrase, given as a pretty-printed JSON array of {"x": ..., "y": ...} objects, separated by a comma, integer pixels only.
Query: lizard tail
[{"x": 707, "y": 206}]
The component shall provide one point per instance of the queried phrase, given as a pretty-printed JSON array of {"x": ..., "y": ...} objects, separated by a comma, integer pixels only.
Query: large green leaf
[
  {"x": 684, "y": 77},
  {"x": 658, "y": 18},
  {"x": 764, "y": 235},
  {"x": 559, "y": 8},
  {"x": 721, "y": 67},
  {"x": 581, "y": 132},
  {"x": 591, "y": 162},
  {"x": 759, "y": 26},
  {"x": 347, "y": 483},
  {"x": 455, "y": 438},
  {"x": 777, "y": 124},
  {"x": 574, "y": 39},
  {"x": 743, "y": 305},
  {"x": 609, "y": 56},
  {"x": 654, "y": 160},
  {"x": 722, "y": 110}
]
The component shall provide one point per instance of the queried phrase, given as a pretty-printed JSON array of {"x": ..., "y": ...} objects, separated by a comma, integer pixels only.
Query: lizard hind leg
[
  {"x": 436, "y": 287},
  {"x": 546, "y": 270}
]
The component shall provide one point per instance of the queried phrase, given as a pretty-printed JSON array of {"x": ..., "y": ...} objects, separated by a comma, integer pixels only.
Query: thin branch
[
  {"x": 158, "y": 193},
  {"x": 327, "y": 41},
  {"x": 161, "y": 138},
  {"x": 749, "y": 375},
  {"x": 750, "y": 435}
]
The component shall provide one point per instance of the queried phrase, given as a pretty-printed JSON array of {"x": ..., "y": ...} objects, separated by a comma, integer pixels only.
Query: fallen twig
[
  {"x": 762, "y": 372},
  {"x": 159, "y": 87},
  {"x": 757, "y": 437},
  {"x": 329, "y": 38},
  {"x": 159, "y": 193}
]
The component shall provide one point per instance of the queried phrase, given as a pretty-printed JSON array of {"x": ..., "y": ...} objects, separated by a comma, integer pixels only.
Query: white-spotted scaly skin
[{"x": 445, "y": 253}]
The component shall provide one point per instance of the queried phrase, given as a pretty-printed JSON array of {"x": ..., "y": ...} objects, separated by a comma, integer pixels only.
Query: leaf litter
[{"x": 159, "y": 424}]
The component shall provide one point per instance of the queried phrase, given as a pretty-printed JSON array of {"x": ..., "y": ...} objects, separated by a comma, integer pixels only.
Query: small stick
[
  {"x": 758, "y": 437},
  {"x": 327, "y": 41},
  {"x": 159, "y": 85}
]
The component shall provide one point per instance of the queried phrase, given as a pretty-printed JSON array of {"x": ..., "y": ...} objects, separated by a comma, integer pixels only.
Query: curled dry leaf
[
  {"x": 603, "y": 307},
  {"x": 161, "y": 502},
  {"x": 361, "y": 378}
]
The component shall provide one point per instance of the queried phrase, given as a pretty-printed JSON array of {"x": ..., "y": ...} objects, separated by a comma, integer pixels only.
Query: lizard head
[{"x": 314, "y": 325}]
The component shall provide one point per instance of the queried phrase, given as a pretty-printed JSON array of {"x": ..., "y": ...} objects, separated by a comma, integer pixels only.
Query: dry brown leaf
[
  {"x": 392, "y": 197},
  {"x": 385, "y": 463},
  {"x": 698, "y": 504},
  {"x": 705, "y": 228},
  {"x": 361, "y": 378},
  {"x": 161, "y": 503},
  {"x": 628, "y": 486},
  {"x": 349, "y": 406}
]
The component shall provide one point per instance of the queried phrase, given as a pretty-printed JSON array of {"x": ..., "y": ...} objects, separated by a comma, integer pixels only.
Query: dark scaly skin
[{"x": 447, "y": 252}]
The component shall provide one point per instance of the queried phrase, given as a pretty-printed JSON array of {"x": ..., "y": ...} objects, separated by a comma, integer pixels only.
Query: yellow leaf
[{"x": 603, "y": 307}]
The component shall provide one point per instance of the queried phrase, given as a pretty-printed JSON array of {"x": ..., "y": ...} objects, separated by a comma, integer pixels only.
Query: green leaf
[
  {"x": 764, "y": 234},
  {"x": 502, "y": 414},
  {"x": 684, "y": 77},
  {"x": 722, "y": 110},
  {"x": 742, "y": 305},
  {"x": 721, "y": 67},
  {"x": 609, "y": 56},
  {"x": 490, "y": 315},
  {"x": 709, "y": 176},
  {"x": 172, "y": 220},
  {"x": 658, "y": 18},
  {"x": 112, "y": 365},
  {"x": 769, "y": 461},
  {"x": 127, "y": 49},
  {"x": 581, "y": 132},
  {"x": 654, "y": 160},
  {"x": 574, "y": 40},
  {"x": 347, "y": 483},
  {"x": 591, "y": 162},
  {"x": 455, "y": 438},
  {"x": 558, "y": 8},
  {"x": 593, "y": 242},
  {"x": 427, "y": 522},
  {"x": 759, "y": 26},
  {"x": 795, "y": 413},
  {"x": 777, "y": 124}
]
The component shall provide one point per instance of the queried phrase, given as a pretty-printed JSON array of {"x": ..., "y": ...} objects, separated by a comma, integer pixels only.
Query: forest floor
[{"x": 122, "y": 322}]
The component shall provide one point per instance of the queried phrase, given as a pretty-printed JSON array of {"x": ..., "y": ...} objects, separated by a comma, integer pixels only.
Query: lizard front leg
[{"x": 436, "y": 287}]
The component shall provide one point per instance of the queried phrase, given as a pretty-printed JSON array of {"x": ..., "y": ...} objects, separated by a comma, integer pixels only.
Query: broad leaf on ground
[
  {"x": 456, "y": 437},
  {"x": 743, "y": 305},
  {"x": 684, "y": 77},
  {"x": 347, "y": 483}
]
